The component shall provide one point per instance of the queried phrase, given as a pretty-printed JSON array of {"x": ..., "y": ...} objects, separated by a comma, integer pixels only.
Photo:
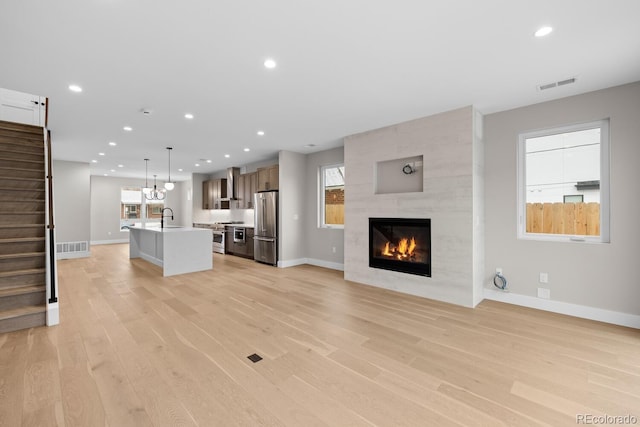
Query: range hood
[{"x": 232, "y": 184}]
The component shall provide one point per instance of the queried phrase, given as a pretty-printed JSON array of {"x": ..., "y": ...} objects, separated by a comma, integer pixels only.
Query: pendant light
[
  {"x": 169, "y": 185},
  {"x": 146, "y": 189}
]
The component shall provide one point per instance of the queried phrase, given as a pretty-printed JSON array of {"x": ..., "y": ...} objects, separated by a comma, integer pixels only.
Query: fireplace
[{"x": 400, "y": 244}]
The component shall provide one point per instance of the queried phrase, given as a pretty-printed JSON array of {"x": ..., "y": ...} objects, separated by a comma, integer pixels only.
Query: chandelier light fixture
[
  {"x": 155, "y": 194},
  {"x": 169, "y": 185},
  {"x": 151, "y": 193}
]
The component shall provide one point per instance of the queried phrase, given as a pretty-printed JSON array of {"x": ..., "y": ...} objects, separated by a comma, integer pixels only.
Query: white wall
[
  {"x": 319, "y": 242},
  {"x": 451, "y": 198},
  {"x": 292, "y": 190},
  {"x": 597, "y": 276},
  {"x": 72, "y": 202},
  {"x": 105, "y": 207}
]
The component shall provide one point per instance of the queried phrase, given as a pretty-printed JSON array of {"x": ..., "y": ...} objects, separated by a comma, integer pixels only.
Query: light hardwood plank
[{"x": 136, "y": 348}]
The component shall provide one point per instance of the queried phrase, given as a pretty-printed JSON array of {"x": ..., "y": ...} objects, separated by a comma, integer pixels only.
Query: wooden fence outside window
[{"x": 581, "y": 219}]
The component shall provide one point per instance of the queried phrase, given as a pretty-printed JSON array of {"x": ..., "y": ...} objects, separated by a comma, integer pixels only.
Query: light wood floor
[{"x": 136, "y": 349}]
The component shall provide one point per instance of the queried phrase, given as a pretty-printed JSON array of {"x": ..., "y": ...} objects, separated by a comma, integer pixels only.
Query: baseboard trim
[
  {"x": 326, "y": 264},
  {"x": 311, "y": 261},
  {"x": 71, "y": 255},
  {"x": 592, "y": 313},
  {"x": 109, "y": 242},
  {"x": 291, "y": 262}
]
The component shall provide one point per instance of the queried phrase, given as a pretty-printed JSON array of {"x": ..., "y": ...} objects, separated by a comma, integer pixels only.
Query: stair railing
[{"x": 53, "y": 281}]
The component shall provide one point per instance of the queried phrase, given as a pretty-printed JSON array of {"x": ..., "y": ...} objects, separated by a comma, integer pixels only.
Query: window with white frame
[
  {"x": 563, "y": 183},
  {"x": 331, "y": 204},
  {"x": 136, "y": 210}
]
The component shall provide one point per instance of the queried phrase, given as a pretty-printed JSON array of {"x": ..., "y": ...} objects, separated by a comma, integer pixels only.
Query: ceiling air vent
[{"x": 564, "y": 82}]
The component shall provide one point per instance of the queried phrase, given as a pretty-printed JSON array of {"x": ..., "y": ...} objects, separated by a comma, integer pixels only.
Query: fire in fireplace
[{"x": 400, "y": 244}]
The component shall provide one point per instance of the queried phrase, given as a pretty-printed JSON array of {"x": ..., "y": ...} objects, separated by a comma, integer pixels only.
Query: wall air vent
[
  {"x": 564, "y": 82},
  {"x": 70, "y": 247}
]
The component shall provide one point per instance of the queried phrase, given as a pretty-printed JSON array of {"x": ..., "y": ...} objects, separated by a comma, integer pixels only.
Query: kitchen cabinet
[
  {"x": 228, "y": 240},
  {"x": 247, "y": 185},
  {"x": 212, "y": 191},
  {"x": 241, "y": 249},
  {"x": 207, "y": 195},
  {"x": 268, "y": 178}
]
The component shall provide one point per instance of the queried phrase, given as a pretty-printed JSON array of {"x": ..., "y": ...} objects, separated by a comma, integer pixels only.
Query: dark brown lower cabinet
[{"x": 242, "y": 249}]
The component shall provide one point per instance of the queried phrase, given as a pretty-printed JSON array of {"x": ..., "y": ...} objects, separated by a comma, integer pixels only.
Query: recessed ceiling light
[
  {"x": 100, "y": 154},
  {"x": 120, "y": 166},
  {"x": 94, "y": 161},
  {"x": 75, "y": 88},
  {"x": 197, "y": 165},
  {"x": 106, "y": 174},
  {"x": 188, "y": 116},
  {"x": 260, "y": 133},
  {"x": 208, "y": 161},
  {"x": 127, "y": 128},
  {"x": 179, "y": 170},
  {"x": 247, "y": 149},
  {"x": 543, "y": 31},
  {"x": 113, "y": 170},
  {"x": 227, "y": 155},
  {"x": 113, "y": 144},
  {"x": 270, "y": 63}
]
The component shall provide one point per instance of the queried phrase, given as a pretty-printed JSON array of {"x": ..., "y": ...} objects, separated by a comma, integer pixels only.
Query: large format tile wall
[{"x": 451, "y": 146}]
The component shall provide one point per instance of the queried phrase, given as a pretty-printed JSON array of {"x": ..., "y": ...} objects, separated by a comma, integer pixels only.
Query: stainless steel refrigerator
[{"x": 265, "y": 238}]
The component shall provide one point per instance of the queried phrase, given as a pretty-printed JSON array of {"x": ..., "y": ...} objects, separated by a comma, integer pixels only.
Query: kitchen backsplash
[{"x": 204, "y": 216}]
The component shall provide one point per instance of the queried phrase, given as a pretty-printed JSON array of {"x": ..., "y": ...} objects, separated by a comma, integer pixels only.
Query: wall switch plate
[
  {"x": 498, "y": 270},
  {"x": 544, "y": 293},
  {"x": 544, "y": 278},
  {"x": 334, "y": 249}
]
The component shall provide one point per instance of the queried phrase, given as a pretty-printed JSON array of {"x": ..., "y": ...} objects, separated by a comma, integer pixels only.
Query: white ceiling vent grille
[{"x": 564, "y": 82}]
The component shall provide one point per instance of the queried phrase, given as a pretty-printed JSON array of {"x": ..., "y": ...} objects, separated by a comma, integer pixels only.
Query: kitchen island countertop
[{"x": 177, "y": 250}]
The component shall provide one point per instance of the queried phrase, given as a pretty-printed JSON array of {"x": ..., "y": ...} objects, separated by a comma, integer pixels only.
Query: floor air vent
[
  {"x": 557, "y": 84},
  {"x": 72, "y": 247}
]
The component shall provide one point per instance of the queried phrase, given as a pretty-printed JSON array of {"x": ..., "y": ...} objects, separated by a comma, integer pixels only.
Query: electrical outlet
[
  {"x": 544, "y": 293},
  {"x": 334, "y": 249},
  {"x": 544, "y": 278},
  {"x": 498, "y": 270}
]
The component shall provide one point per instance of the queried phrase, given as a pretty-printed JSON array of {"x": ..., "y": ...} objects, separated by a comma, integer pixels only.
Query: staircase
[{"x": 22, "y": 227}]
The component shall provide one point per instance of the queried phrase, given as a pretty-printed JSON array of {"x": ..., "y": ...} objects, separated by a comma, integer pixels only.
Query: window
[
  {"x": 563, "y": 183},
  {"x": 136, "y": 210},
  {"x": 331, "y": 196}
]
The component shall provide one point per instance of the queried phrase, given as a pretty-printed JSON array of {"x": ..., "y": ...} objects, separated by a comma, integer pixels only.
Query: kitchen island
[{"x": 177, "y": 250}]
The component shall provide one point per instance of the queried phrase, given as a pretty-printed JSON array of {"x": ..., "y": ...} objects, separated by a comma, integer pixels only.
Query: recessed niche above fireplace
[
  {"x": 399, "y": 176},
  {"x": 400, "y": 244}
]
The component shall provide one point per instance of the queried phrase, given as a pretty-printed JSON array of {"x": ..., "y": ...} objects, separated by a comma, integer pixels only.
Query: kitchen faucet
[{"x": 163, "y": 216}]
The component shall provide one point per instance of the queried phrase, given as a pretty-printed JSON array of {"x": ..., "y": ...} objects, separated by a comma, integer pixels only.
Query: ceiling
[{"x": 343, "y": 67}]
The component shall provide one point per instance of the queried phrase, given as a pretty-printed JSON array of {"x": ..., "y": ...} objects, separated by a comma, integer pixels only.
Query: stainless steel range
[{"x": 219, "y": 230}]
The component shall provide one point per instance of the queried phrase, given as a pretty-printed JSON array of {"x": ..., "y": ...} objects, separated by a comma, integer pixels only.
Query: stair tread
[
  {"x": 21, "y": 255},
  {"x": 19, "y": 178},
  {"x": 22, "y": 200},
  {"x": 15, "y": 151},
  {"x": 40, "y": 162},
  {"x": 22, "y": 272},
  {"x": 25, "y": 127},
  {"x": 21, "y": 239},
  {"x": 21, "y": 290},
  {"x": 22, "y": 213},
  {"x": 22, "y": 311},
  {"x": 18, "y": 169},
  {"x": 21, "y": 226},
  {"x": 21, "y": 189}
]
